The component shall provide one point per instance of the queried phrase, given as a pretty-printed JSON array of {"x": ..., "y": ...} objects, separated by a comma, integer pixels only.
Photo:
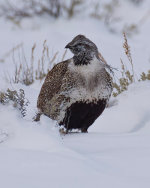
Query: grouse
[{"x": 76, "y": 91}]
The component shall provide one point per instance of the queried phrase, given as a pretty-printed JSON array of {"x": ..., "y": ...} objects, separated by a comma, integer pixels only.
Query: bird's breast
[{"x": 90, "y": 82}]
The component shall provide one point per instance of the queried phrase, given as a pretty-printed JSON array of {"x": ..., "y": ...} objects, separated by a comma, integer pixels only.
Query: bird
[{"x": 76, "y": 91}]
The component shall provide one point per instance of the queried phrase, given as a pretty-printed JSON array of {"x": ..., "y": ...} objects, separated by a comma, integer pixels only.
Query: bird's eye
[
  {"x": 78, "y": 47},
  {"x": 80, "y": 44}
]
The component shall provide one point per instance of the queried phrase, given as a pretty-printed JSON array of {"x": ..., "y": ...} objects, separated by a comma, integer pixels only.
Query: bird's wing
[{"x": 52, "y": 83}]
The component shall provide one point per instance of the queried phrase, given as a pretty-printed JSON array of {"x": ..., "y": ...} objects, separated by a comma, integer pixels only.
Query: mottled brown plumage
[
  {"x": 52, "y": 84},
  {"x": 75, "y": 92}
]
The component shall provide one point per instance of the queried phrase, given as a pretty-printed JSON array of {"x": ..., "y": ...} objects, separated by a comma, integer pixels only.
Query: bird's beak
[{"x": 68, "y": 45}]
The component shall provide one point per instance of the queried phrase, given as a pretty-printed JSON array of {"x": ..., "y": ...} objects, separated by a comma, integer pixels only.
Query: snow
[{"x": 116, "y": 151}]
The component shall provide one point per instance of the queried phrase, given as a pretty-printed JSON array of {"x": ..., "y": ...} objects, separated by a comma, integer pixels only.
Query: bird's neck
[
  {"x": 88, "y": 71},
  {"x": 83, "y": 58}
]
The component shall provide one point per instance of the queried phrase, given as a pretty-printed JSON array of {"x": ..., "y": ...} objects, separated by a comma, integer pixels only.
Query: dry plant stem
[
  {"x": 63, "y": 57},
  {"x": 52, "y": 61},
  {"x": 26, "y": 72},
  {"x": 145, "y": 76},
  {"x": 128, "y": 53},
  {"x": 127, "y": 77},
  {"x": 101, "y": 57}
]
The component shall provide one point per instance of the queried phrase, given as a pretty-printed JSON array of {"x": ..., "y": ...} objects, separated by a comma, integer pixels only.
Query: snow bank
[{"x": 115, "y": 152}]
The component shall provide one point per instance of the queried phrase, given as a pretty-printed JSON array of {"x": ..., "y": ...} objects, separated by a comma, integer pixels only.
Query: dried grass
[
  {"x": 127, "y": 76},
  {"x": 145, "y": 76},
  {"x": 27, "y": 72}
]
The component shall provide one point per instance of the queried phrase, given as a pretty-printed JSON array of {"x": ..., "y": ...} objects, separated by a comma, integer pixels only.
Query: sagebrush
[{"x": 18, "y": 100}]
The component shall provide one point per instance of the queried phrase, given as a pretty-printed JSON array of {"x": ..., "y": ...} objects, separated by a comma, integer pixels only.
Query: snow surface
[{"x": 116, "y": 151}]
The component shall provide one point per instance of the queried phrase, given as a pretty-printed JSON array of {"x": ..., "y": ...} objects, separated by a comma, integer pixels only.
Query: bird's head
[{"x": 81, "y": 46}]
